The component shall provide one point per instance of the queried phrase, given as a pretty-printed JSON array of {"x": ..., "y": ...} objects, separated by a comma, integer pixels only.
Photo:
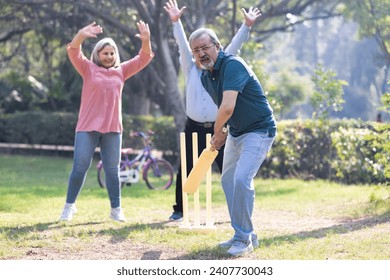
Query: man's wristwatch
[{"x": 224, "y": 130}]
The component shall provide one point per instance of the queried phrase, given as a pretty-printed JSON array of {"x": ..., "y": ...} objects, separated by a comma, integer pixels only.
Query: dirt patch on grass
[
  {"x": 276, "y": 223},
  {"x": 105, "y": 249}
]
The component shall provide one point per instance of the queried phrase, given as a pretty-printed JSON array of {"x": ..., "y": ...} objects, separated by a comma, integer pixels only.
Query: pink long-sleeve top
[{"x": 101, "y": 96}]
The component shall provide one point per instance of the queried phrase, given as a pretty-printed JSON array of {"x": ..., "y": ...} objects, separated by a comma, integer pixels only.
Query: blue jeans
[
  {"x": 243, "y": 157},
  {"x": 110, "y": 151}
]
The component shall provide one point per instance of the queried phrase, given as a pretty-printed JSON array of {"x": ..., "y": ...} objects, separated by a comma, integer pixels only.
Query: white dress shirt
[{"x": 199, "y": 105}]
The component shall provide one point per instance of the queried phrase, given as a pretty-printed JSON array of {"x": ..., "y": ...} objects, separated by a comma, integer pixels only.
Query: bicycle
[{"x": 156, "y": 172}]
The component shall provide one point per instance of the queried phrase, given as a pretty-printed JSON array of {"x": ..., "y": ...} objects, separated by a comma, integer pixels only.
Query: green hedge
[
  {"x": 38, "y": 128},
  {"x": 59, "y": 129},
  {"x": 348, "y": 151}
]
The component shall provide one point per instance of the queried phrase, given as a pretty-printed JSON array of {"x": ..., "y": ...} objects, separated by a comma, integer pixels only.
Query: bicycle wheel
[
  {"x": 101, "y": 176},
  {"x": 158, "y": 174}
]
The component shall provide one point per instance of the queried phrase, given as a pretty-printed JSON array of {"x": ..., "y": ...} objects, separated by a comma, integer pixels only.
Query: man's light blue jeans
[
  {"x": 243, "y": 157},
  {"x": 110, "y": 151}
]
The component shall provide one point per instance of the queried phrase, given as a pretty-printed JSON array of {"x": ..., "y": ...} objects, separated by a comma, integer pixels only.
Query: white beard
[
  {"x": 204, "y": 67},
  {"x": 208, "y": 66}
]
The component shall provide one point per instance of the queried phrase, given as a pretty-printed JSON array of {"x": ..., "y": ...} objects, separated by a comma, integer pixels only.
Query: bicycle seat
[{"x": 127, "y": 151}]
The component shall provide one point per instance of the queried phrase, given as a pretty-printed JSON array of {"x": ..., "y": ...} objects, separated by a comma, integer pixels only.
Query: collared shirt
[
  {"x": 101, "y": 96},
  {"x": 199, "y": 106},
  {"x": 252, "y": 111}
]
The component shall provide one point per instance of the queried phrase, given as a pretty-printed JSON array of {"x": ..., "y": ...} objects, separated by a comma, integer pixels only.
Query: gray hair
[
  {"x": 99, "y": 46},
  {"x": 199, "y": 32}
]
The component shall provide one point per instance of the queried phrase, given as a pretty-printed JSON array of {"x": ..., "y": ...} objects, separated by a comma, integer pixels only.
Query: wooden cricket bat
[{"x": 199, "y": 171}]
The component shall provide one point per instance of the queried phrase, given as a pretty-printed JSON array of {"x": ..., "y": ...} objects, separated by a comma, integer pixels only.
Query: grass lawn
[{"x": 294, "y": 219}]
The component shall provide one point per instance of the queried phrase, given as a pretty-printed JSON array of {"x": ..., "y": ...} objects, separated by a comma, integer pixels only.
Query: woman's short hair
[
  {"x": 99, "y": 46},
  {"x": 199, "y": 32}
]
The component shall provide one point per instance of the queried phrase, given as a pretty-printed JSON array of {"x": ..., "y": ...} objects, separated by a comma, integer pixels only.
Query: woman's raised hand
[
  {"x": 91, "y": 30},
  {"x": 144, "y": 32}
]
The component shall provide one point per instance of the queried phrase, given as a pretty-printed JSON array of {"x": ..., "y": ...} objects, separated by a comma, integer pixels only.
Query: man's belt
[{"x": 204, "y": 124}]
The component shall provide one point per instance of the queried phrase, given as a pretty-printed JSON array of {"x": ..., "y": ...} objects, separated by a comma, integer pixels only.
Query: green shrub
[
  {"x": 347, "y": 151},
  {"x": 363, "y": 154},
  {"x": 301, "y": 149},
  {"x": 164, "y": 129},
  {"x": 38, "y": 128},
  {"x": 59, "y": 129}
]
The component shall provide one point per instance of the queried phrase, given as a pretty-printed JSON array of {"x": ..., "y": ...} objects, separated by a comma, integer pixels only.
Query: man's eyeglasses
[{"x": 203, "y": 49}]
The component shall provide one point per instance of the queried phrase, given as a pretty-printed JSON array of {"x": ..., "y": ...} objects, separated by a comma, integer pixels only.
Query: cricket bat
[{"x": 199, "y": 171}]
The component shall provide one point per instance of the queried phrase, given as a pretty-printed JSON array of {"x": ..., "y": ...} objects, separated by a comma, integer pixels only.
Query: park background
[{"x": 323, "y": 64}]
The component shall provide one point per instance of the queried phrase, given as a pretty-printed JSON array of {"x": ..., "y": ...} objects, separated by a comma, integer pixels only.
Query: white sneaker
[
  {"x": 117, "y": 214},
  {"x": 229, "y": 243},
  {"x": 240, "y": 248},
  {"x": 68, "y": 212}
]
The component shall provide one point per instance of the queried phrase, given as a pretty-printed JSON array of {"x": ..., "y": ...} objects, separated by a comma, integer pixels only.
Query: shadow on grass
[
  {"x": 205, "y": 254},
  {"x": 216, "y": 253},
  {"x": 121, "y": 234},
  {"x": 212, "y": 253},
  {"x": 343, "y": 228},
  {"x": 17, "y": 232},
  {"x": 21, "y": 231}
]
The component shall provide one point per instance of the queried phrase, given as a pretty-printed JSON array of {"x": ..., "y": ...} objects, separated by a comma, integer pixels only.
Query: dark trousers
[{"x": 191, "y": 127}]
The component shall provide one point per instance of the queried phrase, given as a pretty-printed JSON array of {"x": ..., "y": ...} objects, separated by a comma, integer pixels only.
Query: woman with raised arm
[{"x": 100, "y": 115}]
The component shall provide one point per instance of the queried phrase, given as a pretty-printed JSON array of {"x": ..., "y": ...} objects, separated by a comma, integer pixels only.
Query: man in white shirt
[{"x": 200, "y": 109}]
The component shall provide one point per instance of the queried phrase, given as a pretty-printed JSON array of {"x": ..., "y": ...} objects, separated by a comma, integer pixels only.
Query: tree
[
  {"x": 385, "y": 98},
  {"x": 374, "y": 21},
  {"x": 35, "y": 32},
  {"x": 328, "y": 95}
]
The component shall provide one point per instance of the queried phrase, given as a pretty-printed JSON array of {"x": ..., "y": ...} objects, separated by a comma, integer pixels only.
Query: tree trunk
[{"x": 138, "y": 106}]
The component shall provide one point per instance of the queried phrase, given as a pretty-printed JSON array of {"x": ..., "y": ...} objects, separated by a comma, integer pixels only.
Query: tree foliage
[
  {"x": 373, "y": 17},
  {"x": 35, "y": 33},
  {"x": 328, "y": 95}
]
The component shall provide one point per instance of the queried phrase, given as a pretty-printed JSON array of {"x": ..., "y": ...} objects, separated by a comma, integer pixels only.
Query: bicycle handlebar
[
  {"x": 142, "y": 134},
  {"x": 145, "y": 136}
]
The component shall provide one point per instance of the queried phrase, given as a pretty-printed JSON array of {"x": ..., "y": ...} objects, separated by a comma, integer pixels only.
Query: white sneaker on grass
[
  {"x": 68, "y": 212},
  {"x": 229, "y": 243},
  {"x": 240, "y": 248},
  {"x": 117, "y": 214}
]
